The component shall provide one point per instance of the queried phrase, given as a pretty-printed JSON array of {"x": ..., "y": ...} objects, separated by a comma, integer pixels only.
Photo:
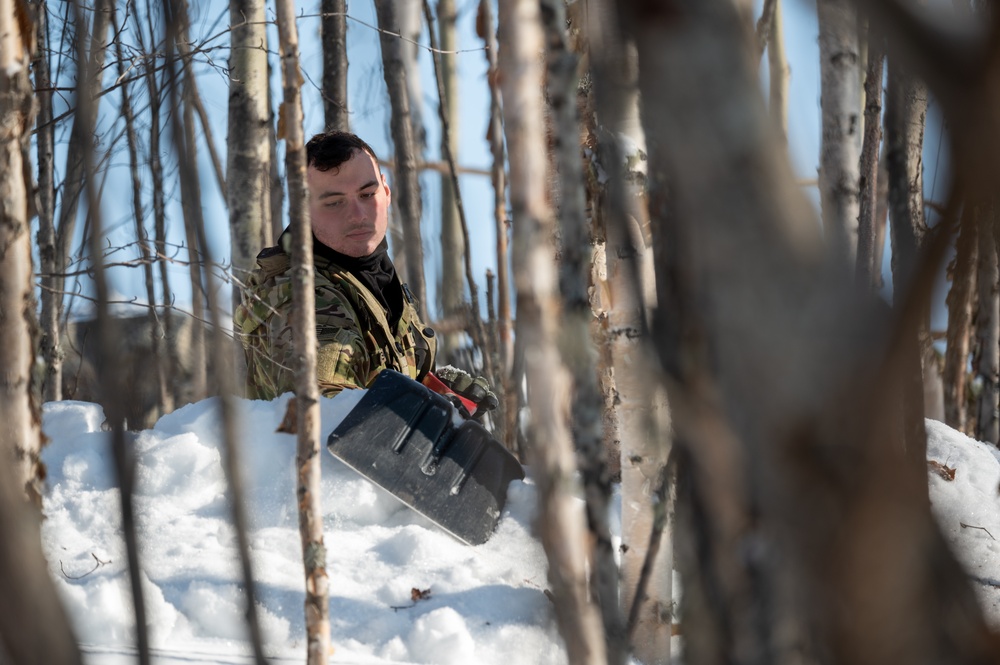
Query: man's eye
[
  {"x": 368, "y": 195},
  {"x": 333, "y": 204}
]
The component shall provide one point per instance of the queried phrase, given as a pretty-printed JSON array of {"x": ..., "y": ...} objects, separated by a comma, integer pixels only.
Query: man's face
[{"x": 349, "y": 205}]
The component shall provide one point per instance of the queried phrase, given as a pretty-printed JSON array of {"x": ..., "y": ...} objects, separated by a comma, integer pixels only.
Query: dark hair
[{"x": 329, "y": 150}]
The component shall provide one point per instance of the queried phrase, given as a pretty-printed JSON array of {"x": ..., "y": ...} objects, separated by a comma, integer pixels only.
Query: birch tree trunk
[
  {"x": 906, "y": 109},
  {"x": 249, "y": 157},
  {"x": 960, "y": 308},
  {"x": 452, "y": 246},
  {"x": 641, "y": 413},
  {"x": 560, "y": 524},
  {"x": 865, "y": 267},
  {"x": 406, "y": 188},
  {"x": 987, "y": 365},
  {"x": 20, "y": 417},
  {"x": 779, "y": 74},
  {"x": 764, "y": 25},
  {"x": 46, "y": 238},
  {"x": 333, "y": 35},
  {"x": 840, "y": 105},
  {"x": 34, "y": 627},
  {"x": 577, "y": 343},
  {"x": 307, "y": 459}
]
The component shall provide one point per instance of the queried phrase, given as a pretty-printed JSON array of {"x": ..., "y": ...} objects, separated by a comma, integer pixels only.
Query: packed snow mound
[
  {"x": 965, "y": 497},
  {"x": 482, "y": 604},
  {"x": 401, "y": 590}
]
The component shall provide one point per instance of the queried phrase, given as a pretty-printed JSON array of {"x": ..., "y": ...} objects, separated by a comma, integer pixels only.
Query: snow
[
  {"x": 485, "y": 604},
  {"x": 968, "y": 508}
]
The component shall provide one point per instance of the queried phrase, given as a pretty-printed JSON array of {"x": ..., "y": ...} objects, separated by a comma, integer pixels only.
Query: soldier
[{"x": 366, "y": 319}]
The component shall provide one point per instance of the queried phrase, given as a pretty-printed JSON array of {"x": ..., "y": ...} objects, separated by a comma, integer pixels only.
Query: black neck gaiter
[{"x": 375, "y": 271}]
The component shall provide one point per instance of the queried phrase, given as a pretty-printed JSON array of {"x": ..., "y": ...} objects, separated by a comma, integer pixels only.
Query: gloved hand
[{"x": 474, "y": 389}]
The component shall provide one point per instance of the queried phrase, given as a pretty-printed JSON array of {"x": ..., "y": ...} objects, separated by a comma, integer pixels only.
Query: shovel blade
[{"x": 404, "y": 438}]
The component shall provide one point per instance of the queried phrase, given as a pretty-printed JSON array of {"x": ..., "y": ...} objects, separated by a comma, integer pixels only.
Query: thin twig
[
  {"x": 971, "y": 526},
  {"x": 80, "y": 577}
]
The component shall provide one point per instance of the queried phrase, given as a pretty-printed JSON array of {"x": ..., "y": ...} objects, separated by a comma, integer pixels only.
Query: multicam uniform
[{"x": 356, "y": 338}]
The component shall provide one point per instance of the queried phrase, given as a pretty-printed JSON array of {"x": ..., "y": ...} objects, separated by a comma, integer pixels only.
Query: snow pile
[
  {"x": 965, "y": 498},
  {"x": 482, "y": 604},
  {"x": 402, "y": 591}
]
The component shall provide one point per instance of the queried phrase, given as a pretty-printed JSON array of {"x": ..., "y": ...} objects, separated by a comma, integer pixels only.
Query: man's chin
[{"x": 355, "y": 248}]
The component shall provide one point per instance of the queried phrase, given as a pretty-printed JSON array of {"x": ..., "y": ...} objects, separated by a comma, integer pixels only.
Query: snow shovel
[{"x": 410, "y": 441}]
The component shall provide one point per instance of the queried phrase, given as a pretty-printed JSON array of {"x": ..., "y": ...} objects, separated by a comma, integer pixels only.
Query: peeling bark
[
  {"x": 560, "y": 524},
  {"x": 307, "y": 459},
  {"x": 841, "y": 107}
]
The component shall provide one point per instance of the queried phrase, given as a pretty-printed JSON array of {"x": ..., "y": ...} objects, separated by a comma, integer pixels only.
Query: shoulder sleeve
[{"x": 262, "y": 324}]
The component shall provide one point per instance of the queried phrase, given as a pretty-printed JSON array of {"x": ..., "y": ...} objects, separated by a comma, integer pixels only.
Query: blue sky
[{"x": 370, "y": 119}]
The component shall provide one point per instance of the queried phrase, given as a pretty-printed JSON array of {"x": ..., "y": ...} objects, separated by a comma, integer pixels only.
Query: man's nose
[{"x": 355, "y": 209}]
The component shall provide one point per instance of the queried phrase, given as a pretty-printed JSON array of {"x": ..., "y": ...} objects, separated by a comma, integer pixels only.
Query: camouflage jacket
[{"x": 356, "y": 340}]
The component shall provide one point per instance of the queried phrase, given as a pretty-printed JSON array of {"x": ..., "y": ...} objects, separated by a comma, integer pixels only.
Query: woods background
[{"x": 669, "y": 309}]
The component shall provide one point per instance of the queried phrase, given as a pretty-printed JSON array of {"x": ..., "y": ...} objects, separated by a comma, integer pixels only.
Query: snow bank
[{"x": 482, "y": 604}]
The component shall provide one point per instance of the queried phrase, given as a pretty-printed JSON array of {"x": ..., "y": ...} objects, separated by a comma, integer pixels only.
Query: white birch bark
[
  {"x": 452, "y": 246},
  {"x": 560, "y": 523},
  {"x": 641, "y": 412},
  {"x": 577, "y": 343},
  {"x": 20, "y": 425},
  {"x": 314, "y": 555},
  {"x": 841, "y": 107},
  {"x": 249, "y": 155},
  {"x": 779, "y": 74}
]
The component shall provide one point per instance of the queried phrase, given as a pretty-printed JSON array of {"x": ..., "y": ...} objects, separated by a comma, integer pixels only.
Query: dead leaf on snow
[{"x": 942, "y": 470}]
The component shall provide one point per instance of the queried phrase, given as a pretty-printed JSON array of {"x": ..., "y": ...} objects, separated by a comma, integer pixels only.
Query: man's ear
[{"x": 388, "y": 192}]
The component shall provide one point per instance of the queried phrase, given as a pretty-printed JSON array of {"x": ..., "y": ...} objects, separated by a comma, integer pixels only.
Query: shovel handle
[{"x": 439, "y": 386}]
